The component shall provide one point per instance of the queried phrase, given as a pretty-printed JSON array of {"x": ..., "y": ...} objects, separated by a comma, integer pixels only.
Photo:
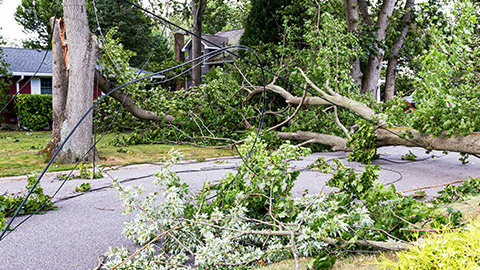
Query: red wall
[
  {"x": 8, "y": 117},
  {"x": 24, "y": 83}
]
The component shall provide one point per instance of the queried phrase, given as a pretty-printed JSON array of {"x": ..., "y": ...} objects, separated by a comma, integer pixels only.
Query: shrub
[{"x": 34, "y": 111}]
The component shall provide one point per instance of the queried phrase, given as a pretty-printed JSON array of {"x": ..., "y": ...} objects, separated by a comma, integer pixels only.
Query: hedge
[{"x": 34, "y": 112}]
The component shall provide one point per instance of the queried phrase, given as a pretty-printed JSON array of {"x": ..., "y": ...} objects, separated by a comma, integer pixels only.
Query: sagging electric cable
[
  {"x": 39, "y": 66},
  {"x": 87, "y": 152},
  {"x": 95, "y": 105},
  {"x": 277, "y": 75}
]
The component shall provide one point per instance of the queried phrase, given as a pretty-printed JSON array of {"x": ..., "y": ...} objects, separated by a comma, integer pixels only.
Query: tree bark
[
  {"x": 351, "y": 12},
  {"x": 82, "y": 54},
  {"x": 465, "y": 144},
  {"x": 362, "y": 4},
  {"x": 198, "y": 8},
  {"x": 59, "y": 89},
  {"x": 130, "y": 105},
  {"x": 395, "y": 51},
  {"x": 374, "y": 66}
]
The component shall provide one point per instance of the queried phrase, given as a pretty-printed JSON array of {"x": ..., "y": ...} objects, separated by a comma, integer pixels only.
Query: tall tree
[
  {"x": 395, "y": 50},
  {"x": 82, "y": 54},
  {"x": 198, "y": 8},
  {"x": 263, "y": 23},
  {"x": 352, "y": 17},
  {"x": 374, "y": 64},
  {"x": 35, "y": 20}
]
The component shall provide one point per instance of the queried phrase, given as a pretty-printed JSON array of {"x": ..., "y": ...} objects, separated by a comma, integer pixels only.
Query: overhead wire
[
  {"x": 81, "y": 159},
  {"x": 39, "y": 66},
  {"x": 83, "y": 118},
  {"x": 273, "y": 73}
]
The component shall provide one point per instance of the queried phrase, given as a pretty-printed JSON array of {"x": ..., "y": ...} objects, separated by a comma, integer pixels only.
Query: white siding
[{"x": 35, "y": 84}]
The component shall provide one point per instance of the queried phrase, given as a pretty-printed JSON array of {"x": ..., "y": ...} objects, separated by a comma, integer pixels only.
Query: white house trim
[{"x": 31, "y": 74}]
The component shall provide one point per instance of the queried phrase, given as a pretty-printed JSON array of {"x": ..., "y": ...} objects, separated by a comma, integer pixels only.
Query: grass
[
  {"x": 351, "y": 262},
  {"x": 18, "y": 153}
]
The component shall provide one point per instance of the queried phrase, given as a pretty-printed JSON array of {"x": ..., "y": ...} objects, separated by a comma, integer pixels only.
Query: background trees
[
  {"x": 35, "y": 20},
  {"x": 263, "y": 23},
  {"x": 135, "y": 30}
]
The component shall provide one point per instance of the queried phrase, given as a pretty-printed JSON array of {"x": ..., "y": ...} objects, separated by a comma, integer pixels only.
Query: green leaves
[
  {"x": 362, "y": 142},
  {"x": 34, "y": 111},
  {"x": 10, "y": 203},
  {"x": 83, "y": 187}
]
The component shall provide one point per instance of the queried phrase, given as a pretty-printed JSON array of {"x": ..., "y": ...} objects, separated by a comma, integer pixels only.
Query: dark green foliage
[
  {"x": 263, "y": 23},
  {"x": 37, "y": 21},
  {"x": 135, "y": 30},
  {"x": 324, "y": 260},
  {"x": 34, "y": 112},
  {"x": 9, "y": 204}
]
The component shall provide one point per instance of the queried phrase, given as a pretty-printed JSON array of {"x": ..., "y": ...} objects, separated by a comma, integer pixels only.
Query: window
[{"x": 46, "y": 86}]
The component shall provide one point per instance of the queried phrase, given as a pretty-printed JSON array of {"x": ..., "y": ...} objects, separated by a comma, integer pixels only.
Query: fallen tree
[
  {"x": 446, "y": 117},
  {"x": 385, "y": 136}
]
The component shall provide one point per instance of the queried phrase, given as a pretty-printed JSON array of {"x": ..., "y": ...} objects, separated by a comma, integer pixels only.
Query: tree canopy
[{"x": 135, "y": 30}]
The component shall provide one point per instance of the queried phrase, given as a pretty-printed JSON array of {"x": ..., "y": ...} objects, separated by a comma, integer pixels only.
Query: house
[
  {"x": 31, "y": 73},
  {"x": 214, "y": 42}
]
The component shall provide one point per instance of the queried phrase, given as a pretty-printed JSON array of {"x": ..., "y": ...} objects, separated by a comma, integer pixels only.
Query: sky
[{"x": 11, "y": 31}]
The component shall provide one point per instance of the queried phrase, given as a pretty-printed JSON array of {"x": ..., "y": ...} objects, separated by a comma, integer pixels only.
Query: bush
[
  {"x": 34, "y": 111},
  {"x": 449, "y": 250}
]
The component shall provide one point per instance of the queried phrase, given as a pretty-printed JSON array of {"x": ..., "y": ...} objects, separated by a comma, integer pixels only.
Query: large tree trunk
[
  {"x": 395, "y": 51},
  {"x": 198, "y": 8},
  {"x": 59, "y": 88},
  {"x": 466, "y": 144},
  {"x": 82, "y": 54},
  {"x": 351, "y": 12},
  {"x": 374, "y": 66}
]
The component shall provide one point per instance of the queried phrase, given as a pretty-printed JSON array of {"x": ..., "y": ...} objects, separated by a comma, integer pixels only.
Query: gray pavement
[{"x": 85, "y": 226}]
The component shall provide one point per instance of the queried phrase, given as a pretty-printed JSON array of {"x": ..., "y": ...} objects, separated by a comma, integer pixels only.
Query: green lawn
[{"x": 18, "y": 153}]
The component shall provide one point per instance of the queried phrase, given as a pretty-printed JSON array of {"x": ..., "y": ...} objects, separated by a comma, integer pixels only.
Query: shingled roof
[{"x": 27, "y": 61}]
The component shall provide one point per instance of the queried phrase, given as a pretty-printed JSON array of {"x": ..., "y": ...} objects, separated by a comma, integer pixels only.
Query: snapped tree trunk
[
  {"x": 374, "y": 65},
  {"x": 59, "y": 88},
  {"x": 198, "y": 8},
  {"x": 82, "y": 54},
  {"x": 395, "y": 51}
]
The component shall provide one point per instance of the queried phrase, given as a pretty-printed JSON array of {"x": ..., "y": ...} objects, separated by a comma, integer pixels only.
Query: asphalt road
[{"x": 87, "y": 224}]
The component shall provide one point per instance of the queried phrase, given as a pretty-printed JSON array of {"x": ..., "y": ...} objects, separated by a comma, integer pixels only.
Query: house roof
[
  {"x": 27, "y": 61},
  {"x": 233, "y": 36},
  {"x": 222, "y": 39},
  {"x": 213, "y": 41}
]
